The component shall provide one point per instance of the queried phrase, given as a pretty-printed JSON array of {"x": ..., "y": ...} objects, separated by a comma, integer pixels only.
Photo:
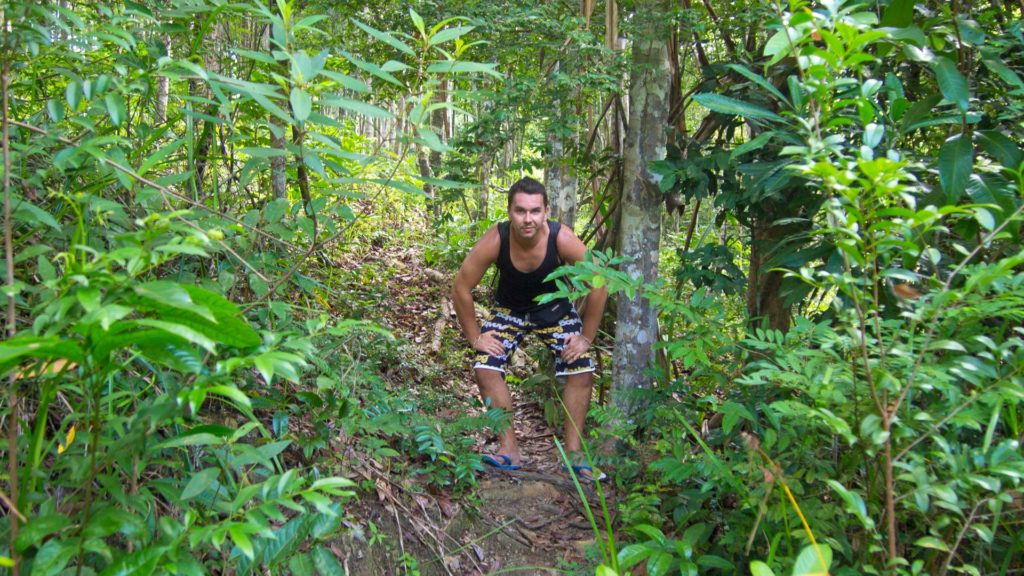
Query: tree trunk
[
  {"x": 163, "y": 83},
  {"x": 561, "y": 183},
  {"x": 640, "y": 228},
  {"x": 766, "y": 306}
]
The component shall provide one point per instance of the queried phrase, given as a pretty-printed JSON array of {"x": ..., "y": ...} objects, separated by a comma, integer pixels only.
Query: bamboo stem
[{"x": 12, "y": 392}]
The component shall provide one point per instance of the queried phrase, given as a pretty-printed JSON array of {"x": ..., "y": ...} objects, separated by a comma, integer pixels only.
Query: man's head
[
  {"x": 527, "y": 207},
  {"x": 527, "y": 185}
]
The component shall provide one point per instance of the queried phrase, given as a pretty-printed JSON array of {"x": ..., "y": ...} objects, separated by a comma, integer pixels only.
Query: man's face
[{"x": 527, "y": 213}]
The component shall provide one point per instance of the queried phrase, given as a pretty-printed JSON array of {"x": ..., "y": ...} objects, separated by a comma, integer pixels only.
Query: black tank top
[{"x": 517, "y": 290}]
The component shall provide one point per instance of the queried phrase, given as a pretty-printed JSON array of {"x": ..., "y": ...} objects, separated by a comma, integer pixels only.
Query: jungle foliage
[{"x": 838, "y": 384}]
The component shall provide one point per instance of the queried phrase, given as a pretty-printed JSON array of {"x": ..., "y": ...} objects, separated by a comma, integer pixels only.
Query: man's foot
[
  {"x": 586, "y": 473},
  {"x": 502, "y": 461}
]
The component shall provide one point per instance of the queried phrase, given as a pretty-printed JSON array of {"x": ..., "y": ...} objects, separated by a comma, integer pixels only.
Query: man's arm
[
  {"x": 572, "y": 250},
  {"x": 483, "y": 254}
]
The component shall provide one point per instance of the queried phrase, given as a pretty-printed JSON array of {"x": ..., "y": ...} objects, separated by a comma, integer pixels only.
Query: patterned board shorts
[{"x": 512, "y": 327}]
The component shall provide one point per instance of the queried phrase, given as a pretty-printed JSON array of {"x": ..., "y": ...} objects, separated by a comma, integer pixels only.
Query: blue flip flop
[
  {"x": 579, "y": 469},
  {"x": 501, "y": 461}
]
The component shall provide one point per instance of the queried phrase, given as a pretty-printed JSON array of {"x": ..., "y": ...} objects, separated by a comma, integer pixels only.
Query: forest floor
[{"x": 529, "y": 521}]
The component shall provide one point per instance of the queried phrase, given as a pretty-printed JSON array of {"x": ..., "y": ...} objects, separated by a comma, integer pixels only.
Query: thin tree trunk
[
  {"x": 640, "y": 228},
  {"x": 278, "y": 177},
  {"x": 162, "y": 88},
  {"x": 12, "y": 392}
]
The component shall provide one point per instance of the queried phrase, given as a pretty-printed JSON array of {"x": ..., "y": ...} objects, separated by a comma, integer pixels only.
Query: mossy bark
[{"x": 640, "y": 224}]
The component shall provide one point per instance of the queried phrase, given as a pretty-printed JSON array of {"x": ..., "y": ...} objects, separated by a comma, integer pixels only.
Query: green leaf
[
  {"x": 165, "y": 292},
  {"x": 749, "y": 146},
  {"x": 385, "y": 38},
  {"x": 956, "y": 159},
  {"x": 898, "y": 14},
  {"x": 758, "y": 568},
  {"x": 199, "y": 483},
  {"x": 115, "y": 107},
  {"x": 651, "y": 532},
  {"x": 659, "y": 564},
  {"x": 181, "y": 331},
  {"x": 73, "y": 94},
  {"x": 262, "y": 152},
  {"x": 346, "y": 81},
  {"x": 37, "y": 528},
  {"x": 302, "y": 565},
  {"x": 1001, "y": 147},
  {"x": 732, "y": 106},
  {"x": 241, "y": 539},
  {"x": 53, "y": 556},
  {"x": 460, "y": 67},
  {"x": 808, "y": 562},
  {"x": 759, "y": 80},
  {"x": 634, "y": 554},
  {"x": 931, "y": 542},
  {"x": 951, "y": 82},
  {"x": 356, "y": 106},
  {"x": 449, "y": 34},
  {"x": 302, "y": 104},
  {"x": 431, "y": 140},
  {"x": 325, "y": 562},
  {"x": 18, "y": 349},
  {"x": 55, "y": 109}
]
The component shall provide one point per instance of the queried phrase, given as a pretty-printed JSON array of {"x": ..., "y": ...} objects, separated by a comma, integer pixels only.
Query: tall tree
[{"x": 640, "y": 225}]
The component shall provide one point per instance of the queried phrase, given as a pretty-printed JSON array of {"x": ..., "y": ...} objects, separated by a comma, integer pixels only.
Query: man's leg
[
  {"x": 495, "y": 394},
  {"x": 576, "y": 397}
]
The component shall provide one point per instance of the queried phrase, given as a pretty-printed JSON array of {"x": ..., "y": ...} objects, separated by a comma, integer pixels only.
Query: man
[{"x": 525, "y": 249}]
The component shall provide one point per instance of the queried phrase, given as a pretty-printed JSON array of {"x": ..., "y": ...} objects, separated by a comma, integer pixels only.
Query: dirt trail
[{"x": 529, "y": 521}]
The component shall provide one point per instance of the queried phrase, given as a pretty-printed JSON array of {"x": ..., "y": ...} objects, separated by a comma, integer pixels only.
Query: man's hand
[
  {"x": 576, "y": 345},
  {"x": 489, "y": 343}
]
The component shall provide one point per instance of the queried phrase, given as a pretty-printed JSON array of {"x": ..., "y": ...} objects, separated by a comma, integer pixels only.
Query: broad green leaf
[
  {"x": 659, "y": 563},
  {"x": 199, "y": 483},
  {"x": 417, "y": 21},
  {"x": 241, "y": 539},
  {"x": 164, "y": 292},
  {"x": 749, "y": 146},
  {"x": 73, "y": 94},
  {"x": 758, "y": 568},
  {"x": 21, "y": 348},
  {"x": 53, "y": 556},
  {"x": 931, "y": 542},
  {"x": 302, "y": 565},
  {"x": 37, "y": 528},
  {"x": 32, "y": 215},
  {"x": 232, "y": 393},
  {"x": 346, "y": 81},
  {"x": 604, "y": 570},
  {"x": 732, "y": 106},
  {"x": 115, "y": 107},
  {"x": 951, "y": 82},
  {"x": 55, "y": 109},
  {"x": 180, "y": 331},
  {"x": 262, "y": 152},
  {"x": 759, "y": 80},
  {"x": 154, "y": 159},
  {"x": 385, "y": 38},
  {"x": 808, "y": 562},
  {"x": 326, "y": 562},
  {"x": 780, "y": 44},
  {"x": 459, "y": 67},
  {"x": 302, "y": 104},
  {"x": 956, "y": 159},
  {"x": 651, "y": 532},
  {"x": 449, "y": 34},
  {"x": 898, "y": 14},
  {"x": 356, "y": 106},
  {"x": 873, "y": 134},
  {"x": 1007, "y": 74},
  {"x": 1001, "y": 147},
  {"x": 431, "y": 140}
]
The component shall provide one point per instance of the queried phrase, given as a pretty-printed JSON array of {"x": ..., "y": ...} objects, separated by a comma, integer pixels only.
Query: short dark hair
[{"x": 527, "y": 185}]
